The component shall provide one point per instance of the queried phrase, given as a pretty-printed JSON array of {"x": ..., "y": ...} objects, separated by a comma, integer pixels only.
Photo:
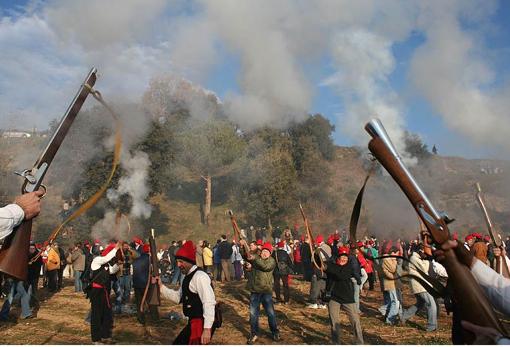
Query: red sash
[{"x": 197, "y": 328}]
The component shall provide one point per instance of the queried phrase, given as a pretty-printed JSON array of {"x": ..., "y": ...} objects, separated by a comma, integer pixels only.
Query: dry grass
[{"x": 60, "y": 320}]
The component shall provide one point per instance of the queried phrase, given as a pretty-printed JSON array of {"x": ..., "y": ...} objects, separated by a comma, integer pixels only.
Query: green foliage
[
  {"x": 160, "y": 145},
  {"x": 415, "y": 146},
  {"x": 206, "y": 147},
  {"x": 267, "y": 182}
]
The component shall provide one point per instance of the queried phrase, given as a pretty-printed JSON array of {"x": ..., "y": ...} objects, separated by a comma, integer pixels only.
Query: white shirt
[
  {"x": 10, "y": 217},
  {"x": 98, "y": 261},
  {"x": 439, "y": 269},
  {"x": 496, "y": 287},
  {"x": 201, "y": 285}
]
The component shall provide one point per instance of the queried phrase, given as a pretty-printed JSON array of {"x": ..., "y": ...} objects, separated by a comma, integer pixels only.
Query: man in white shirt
[
  {"x": 26, "y": 206},
  {"x": 495, "y": 286},
  {"x": 101, "y": 318},
  {"x": 197, "y": 297}
]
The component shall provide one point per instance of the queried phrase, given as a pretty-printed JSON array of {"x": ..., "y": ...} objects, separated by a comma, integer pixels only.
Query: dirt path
[{"x": 60, "y": 320}]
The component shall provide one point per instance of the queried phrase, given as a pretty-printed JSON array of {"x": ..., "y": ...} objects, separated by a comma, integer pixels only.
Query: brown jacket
[
  {"x": 389, "y": 267},
  {"x": 78, "y": 260}
]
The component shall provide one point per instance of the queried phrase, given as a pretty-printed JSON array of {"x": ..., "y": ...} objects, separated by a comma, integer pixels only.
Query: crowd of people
[{"x": 339, "y": 272}]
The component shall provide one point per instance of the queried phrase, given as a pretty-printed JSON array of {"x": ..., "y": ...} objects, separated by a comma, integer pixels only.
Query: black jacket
[
  {"x": 339, "y": 281},
  {"x": 284, "y": 264},
  {"x": 225, "y": 250},
  {"x": 34, "y": 269},
  {"x": 356, "y": 268},
  {"x": 141, "y": 271}
]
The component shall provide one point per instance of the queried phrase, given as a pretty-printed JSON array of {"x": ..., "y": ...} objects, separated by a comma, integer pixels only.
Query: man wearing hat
[
  {"x": 469, "y": 241},
  {"x": 197, "y": 297},
  {"x": 101, "y": 318},
  {"x": 260, "y": 285},
  {"x": 339, "y": 284}
]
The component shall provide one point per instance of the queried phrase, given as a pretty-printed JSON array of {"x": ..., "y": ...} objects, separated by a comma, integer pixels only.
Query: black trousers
[
  {"x": 60, "y": 276},
  {"x": 101, "y": 316},
  {"x": 371, "y": 280},
  {"x": 285, "y": 280},
  {"x": 52, "y": 280}
]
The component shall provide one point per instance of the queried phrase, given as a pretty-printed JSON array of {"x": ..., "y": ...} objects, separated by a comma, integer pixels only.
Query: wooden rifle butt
[{"x": 14, "y": 252}]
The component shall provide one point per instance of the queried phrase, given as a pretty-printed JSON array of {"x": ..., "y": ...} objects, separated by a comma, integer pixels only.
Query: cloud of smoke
[{"x": 112, "y": 228}]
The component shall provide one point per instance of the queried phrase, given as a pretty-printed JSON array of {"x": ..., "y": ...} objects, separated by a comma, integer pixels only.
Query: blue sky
[{"x": 438, "y": 68}]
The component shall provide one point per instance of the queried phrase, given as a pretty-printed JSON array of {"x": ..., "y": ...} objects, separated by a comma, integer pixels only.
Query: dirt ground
[{"x": 60, "y": 320}]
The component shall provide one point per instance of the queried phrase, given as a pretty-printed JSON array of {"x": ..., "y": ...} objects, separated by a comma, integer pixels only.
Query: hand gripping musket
[
  {"x": 311, "y": 240},
  {"x": 490, "y": 227},
  {"x": 14, "y": 252},
  {"x": 237, "y": 233},
  {"x": 469, "y": 296}
]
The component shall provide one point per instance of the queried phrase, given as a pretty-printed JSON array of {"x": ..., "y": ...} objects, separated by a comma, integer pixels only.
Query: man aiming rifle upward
[
  {"x": 197, "y": 297},
  {"x": 26, "y": 206}
]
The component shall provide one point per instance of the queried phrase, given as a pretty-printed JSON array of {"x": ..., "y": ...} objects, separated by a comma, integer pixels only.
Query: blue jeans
[
  {"x": 125, "y": 287},
  {"x": 392, "y": 310},
  {"x": 424, "y": 300},
  {"x": 267, "y": 302},
  {"x": 117, "y": 305},
  {"x": 78, "y": 285},
  {"x": 17, "y": 290},
  {"x": 177, "y": 276}
]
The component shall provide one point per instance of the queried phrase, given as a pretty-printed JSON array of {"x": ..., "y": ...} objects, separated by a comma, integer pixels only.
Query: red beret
[
  {"x": 319, "y": 239},
  {"x": 187, "y": 252},
  {"x": 469, "y": 237},
  {"x": 268, "y": 246},
  {"x": 359, "y": 244},
  {"x": 259, "y": 242},
  {"x": 344, "y": 250}
]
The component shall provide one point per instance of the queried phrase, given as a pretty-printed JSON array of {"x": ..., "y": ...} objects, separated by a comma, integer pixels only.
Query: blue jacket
[{"x": 141, "y": 271}]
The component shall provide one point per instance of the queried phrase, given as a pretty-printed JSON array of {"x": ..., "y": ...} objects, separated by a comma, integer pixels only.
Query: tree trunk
[{"x": 207, "y": 198}]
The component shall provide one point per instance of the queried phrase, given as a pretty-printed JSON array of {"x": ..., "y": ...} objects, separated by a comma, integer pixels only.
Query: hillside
[{"x": 447, "y": 180}]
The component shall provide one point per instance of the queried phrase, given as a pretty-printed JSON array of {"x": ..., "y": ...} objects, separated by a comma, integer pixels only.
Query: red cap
[
  {"x": 469, "y": 237},
  {"x": 187, "y": 252},
  {"x": 281, "y": 244},
  {"x": 268, "y": 246},
  {"x": 487, "y": 238},
  {"x": 344, "y": 250},
  {"x": 371, "y": 242},
  {"x": 259, "y": 242},
  {"x": 147, "y": 248},
  {"x": 97, "y": 242},
  {"x": 330, "y": 240},
  {"x": 336, "y": 237},
  {"x": 302, "y": 238},
  {"x": 319, "y": 239},
  {"x": 137, "y": 240},
  {"x": 108, "y": 249},
  {"x": 359, "y": 244}
]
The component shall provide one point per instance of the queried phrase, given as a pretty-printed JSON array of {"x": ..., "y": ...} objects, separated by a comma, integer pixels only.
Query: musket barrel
[{"x": 376, "y": 129}]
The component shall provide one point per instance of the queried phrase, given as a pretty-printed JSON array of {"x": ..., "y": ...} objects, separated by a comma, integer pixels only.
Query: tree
[
  {"x": 207, "y": 148},
  {"x": 415, "y": 147},
  {"x": 267, "y": 181}
]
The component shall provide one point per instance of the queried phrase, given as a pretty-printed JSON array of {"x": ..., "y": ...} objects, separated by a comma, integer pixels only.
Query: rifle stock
[
  {"x": 470, "y": 299},
  {"x": 14, "y": 251}
]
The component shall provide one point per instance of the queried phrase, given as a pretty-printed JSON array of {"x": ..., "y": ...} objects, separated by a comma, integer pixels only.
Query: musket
[
  {"x": 311, "y": 240},
  {"x": 470, "y": 299},
  {"x": 237, "y": 233},
  {"x": 14, "y": 252},
  {"x": 154, "y": 296},
  {"x": 490, "y": 227}
]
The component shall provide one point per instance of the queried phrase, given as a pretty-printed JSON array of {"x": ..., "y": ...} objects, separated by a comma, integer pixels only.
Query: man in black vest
[
  {"x": 197, "y": 297},
  {"x": 101, "y": 320}
]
